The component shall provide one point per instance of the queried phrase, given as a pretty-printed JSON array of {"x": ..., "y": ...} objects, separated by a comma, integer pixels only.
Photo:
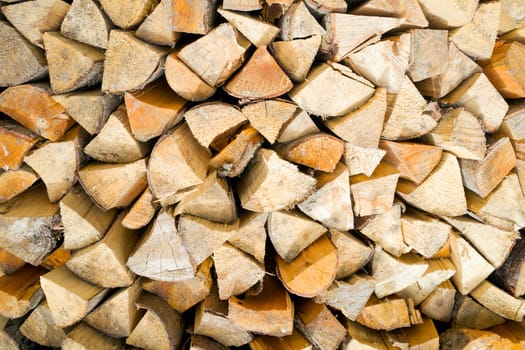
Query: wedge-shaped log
[
  {"x": 409, "y": 10},
  {"x": 195, "y": 17},
  {"x": 357, "y": 254},
  {"x": 16, "y": 142},
  {"x": 296, "y": 56},
  {"x": 160, "y": 254},
  {"x": 141, "y": 212},
  {"x": 269, "y": 116},
  {"x": 301, "y": 124},
  {"x": 389, "y": 314},
  {"x": 513, "y": 125},
  {"x": 129, "y": 16},
  {"x": 87, "y": 14},
  {"x": 439, "y": 304},
  {"x": 130, "y": 62},
  {"x": 423, "y": 233},
  {"x": 33, "y": 107},
  {"x": 157, "y": 27},
  {"x": 450, "y": 15},
  {"x": 225, "y": 44},
  {"x": 499, "y": 301},
  {"x": 429, "y": 49},
  {"x": 114, "y": 185},
  {"x": 69, "y": 298},
  {"x": 14, "y": 73},
  {"x": 469, "y": 314},
  {"x": 250, "y": 237},
  {"x": 298, "y": 23},
  {"x": 84, "y": 337},
  {"x": 361, "y": 160},
  {"x": 258, "y": 32},
  {"x": 313, "y": 96},
  {"x": 29, "y": 226},
  {"x": 14, "y": 182},
  {"x": 40, "y": 327},
  {"x": 20, "y": 292},
  {"x": 9, "y": 263},
  {"x": 509, "y": 275}
]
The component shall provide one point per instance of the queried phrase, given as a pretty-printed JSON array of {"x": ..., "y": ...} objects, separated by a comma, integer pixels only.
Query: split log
[
  {"x": 299, "y": 23},
  {"x": 35, "y": 18},
  {"x": 419, "y": 336},
  {"x": 499, "y": 301},
  {"x": 195, "y": 17},
  {"x": 40, "y": 327},
  {"x": 439, "y": 305},
  {"x": 29, "y": 226},
  {"x": 268, "y": 117},
  {"x": 453, "y": 14},
  {"x": 413, "y": 161},
  {"x": 389, "y": 314},
  {"x": 114, "y": 185},
  {"x": 33, "y": 107},
  {"x": 129, "y": 16},
  {"x": 89, "y": 108},
  {"x": 9, "y": 263},
  {"x": 153, "y": 111},
  {"x": 424, "y": 234},
  {"x": 225, "y": 44},
  {"x": 87, "y": 14},
  {"x": 281, "y": 186},
  {"x": 271, "y": 312},
  {"x": 513, "y": 122},
  {"x": 117, "y": 316},
  {"x": 410, "y": 11},
  {"x": 319, "y": 325},
  {"x": 250, "y": 237},
  {"x": 19, "y": 50},
  {"x": 357, "y": 254},
  {"x": 160, "y": 254},
  {"x": 84, "y": 223},
  {"x": 184, "y": 294},
  {"x": 14, "y": 182},
  {"x": 185, "y": 82},
  {"x": 429, "y": 49},
  {"x": 72, "y": 64},
  {"x": 157, "y": 27},
  {"x": 258, "y": 32},
  {"x": 473, "y": 93},
  {"x": 361, "y": 160},
  {"x": 351, "y": 127},
  {"x": 69, "y": 298},
  {"x": 124, "y": 54},
  {"x": 469, "y": 314},
  {"x": 460, "y": 133},
  {"x": 160, "y": 328},
  {"x": 20, "y": 292},
  {"x": 16, "y": 142},
  {"x": 170, "y": 153},
  {"x": 141, "y": 212},
  {"x": 313, "y": 96},
  {"x": 312, "y": 271},
  {"x": 509, "y": 274},
  {"x": 295, "y": 341},
  {"x": 85, "y": 337},
  {"x": 301, "y": 124},
  {"x": 296, "y": 56}
]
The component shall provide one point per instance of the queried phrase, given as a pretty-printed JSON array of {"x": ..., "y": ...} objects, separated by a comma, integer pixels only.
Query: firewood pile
[{"x": 277, "y": 174}]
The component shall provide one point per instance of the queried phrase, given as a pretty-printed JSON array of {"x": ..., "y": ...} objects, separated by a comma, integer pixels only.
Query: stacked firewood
[{"x": 278, "y": 174}]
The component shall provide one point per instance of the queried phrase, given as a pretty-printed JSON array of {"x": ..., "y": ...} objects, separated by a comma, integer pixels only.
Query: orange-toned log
[
  {"x": 16, "y": 141},
  {"x": 56, "y": 259},
  {"x": 313, "y": 271},
  {"x": 319, "y": 151},
  {"x": 193, "y": 16},
  {"x": 9, "y": 263},
  {"x": 20, "y": 292},
  {"x": 153, "y": 110},
  {"x": 33, "y": 106},
  {"x": 14, "y": 182}
]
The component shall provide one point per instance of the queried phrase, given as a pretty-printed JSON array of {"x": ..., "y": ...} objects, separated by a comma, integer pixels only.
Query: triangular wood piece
[
  {"x": 429, "y": 49},
  {"x": 33, "y": 106},
  {"x": 469, "y": 314},
  {"x": 514, "y": 122},
  {"x": 313, "y": 96},
  {"x": 83, "y": 222},
  {"x": 517, "y": 34},
  {"x": 170, "y": 153},
  {"x": 157, "y": 27},
  {"x": 414, "y": 161},
  {"x": 269, "y": 116},
  {"x": 409, "y": 10},
  {"x": 460, "y": 133},
  {"x": 477, "y": 38},
  {"x": 130, "y": 62},
  {"x": 270, "y": 312},
  {"x": 383, "y": 63},
  {"x": 346, "y": 32},
  {"x": 16, "y": 141},
  {"x": 40, "y": 327},
  {"x": 499, "y": 301},
  {"x": 83, "y": 336},
  {"x": 376, "y": 314},
  {"x": 494, "y": 244},
  {"x": 211, "y": 122},
  {"x": 236, "y": 271},
  {"x": 160, "y": 328},
  {"x": 115, "y": 142},
  {"x": 117, "y": 316},
  {"x": 201, "y": 237},
  {"x": 261, "y": 77},
  {"x": 250, "y": 237},
  {"x": 190, "y": 16},
  {"x": 212, "y": 200},
  {"x": 441, "y": 193},
  {"x": 72, "y": 65},
  {"x": 291, "y": 232},
  {"x": 270, "y": 183},
  {"x": 448, "y": 15},
  {"x": 471, "y": 267},
  {"x": 89, "y": 108},
  {"x": 9, "y": 263},
  {"x": 357, "y": 254},
  {"x": 69, "y": 297},
  {"x": 129, "y": 16},
  {"x": 112, "y": 252},
  {"x": 301, "y": 124},
  {"x": 312, "y": 271},
  {"x": 331, "y": 203},
  {"x": 297, "y": 56},
  {"x": 299, "y": 23},
  {"x": 439, "y": 305},
  {"x": 225, "y": 44},
  {"x": 160, "y": 253},
  {"x": 503, "y": 208},
  {"x": 184, "y": 294},
  {"x": 114, "y": 185},
  {"x": 14, "y": 73},
  {"x": 14, "y": 182},
  {"x": 395, "y": 274},
  {"x": 482, "y": 176},
  {"x": 20, "y": 291},
  {"x": 361, "y": 160},
  {"x": 405, "y": 116},
  {"x": 141, "y": 212},
  {"x": 363, "y": 126},
  {"x": 385, "y": 230},
  {"x": 258, "y": 32},
  {"x": 87, "y": 14},
  {"x": 153, "y": 110},
  {"x": 35, "y": 18},
  {"x": 425, "y": 234}
]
